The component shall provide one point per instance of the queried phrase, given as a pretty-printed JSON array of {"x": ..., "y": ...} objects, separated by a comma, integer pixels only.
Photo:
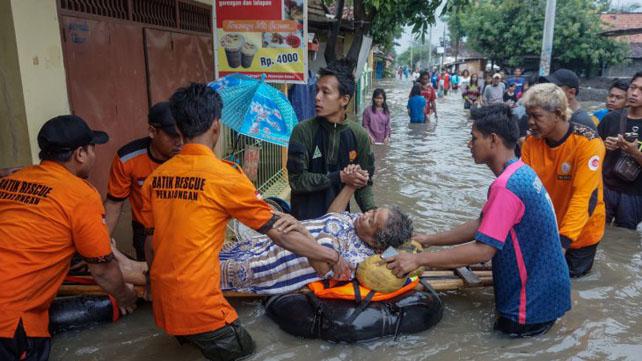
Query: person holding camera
[{"x": 621, "y": 132}]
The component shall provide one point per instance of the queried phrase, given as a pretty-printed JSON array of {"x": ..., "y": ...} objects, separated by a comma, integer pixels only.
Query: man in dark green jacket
[{"x": 328, "y": 151}]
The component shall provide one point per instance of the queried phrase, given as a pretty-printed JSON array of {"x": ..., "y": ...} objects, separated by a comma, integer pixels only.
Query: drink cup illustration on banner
[{"x": 255, "y": 37}]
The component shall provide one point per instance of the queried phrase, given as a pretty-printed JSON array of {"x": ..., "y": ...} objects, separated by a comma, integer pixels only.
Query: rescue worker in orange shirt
[
  {"x": 188, "y": 201},
  {"x": 47, "y": 213},
  {"x": 568, "y": 159},
  {"x": 133, "y": 163}
]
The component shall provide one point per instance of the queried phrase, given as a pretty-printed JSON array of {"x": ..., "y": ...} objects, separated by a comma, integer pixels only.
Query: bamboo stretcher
[{"x": 439, "y": 280}]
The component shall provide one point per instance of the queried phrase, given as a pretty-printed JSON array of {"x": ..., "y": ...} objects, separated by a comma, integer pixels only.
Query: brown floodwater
[{"x": 428, "y": 171}]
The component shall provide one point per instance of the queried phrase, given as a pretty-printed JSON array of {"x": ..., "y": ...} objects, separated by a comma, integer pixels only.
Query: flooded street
[{"x": 427, "y": 170}]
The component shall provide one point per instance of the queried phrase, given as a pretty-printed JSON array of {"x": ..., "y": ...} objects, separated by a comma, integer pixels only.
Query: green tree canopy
[
  {"x": 419, "y": 53},
  {"x": 385, "y": 19},
  {"x": 508, "y": 31}
]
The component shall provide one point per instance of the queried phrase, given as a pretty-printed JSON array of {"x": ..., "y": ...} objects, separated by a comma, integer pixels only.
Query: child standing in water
[
  {"x": 376, "y": 118},
  {"x": 416, "y": 105}
]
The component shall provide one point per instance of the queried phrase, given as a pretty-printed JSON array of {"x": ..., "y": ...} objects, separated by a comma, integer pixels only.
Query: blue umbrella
[{"x": 256, "y": 109}]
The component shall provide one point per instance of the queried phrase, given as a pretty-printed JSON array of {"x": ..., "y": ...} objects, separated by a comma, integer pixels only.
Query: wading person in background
[
  {"x": 465, "y": 79},
  {"x": 455, "y": 81},
  {"x": 471, "y": 92},
  {"x": 516, "y": 229},
  {"x": 518, "y": 80},
  {"x": 570, "y": 84},
  {"x": 568, "y": 158},
  {"x": 321, "y": 148},
  {"x": 428, "y": 92},
  {"x": 187, "y": 203},
  {"x": 510, "y": 97},
  {"x": 434, "y": 79},
  {"x": 131, "y": 166},
  {"x": 445, "y": 81},
  {"x": 47, "y": 213},
  {"x": 622, "y": 132},
  {"x": 615, "y": 100},
  {"x": 416, "y": 105},
  {"x": 376, "y": 118},
  {"x": 494, "y": 93}
]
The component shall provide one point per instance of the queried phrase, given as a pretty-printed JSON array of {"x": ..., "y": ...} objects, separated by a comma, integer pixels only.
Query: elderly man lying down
[{"x": 258, "y": 266}]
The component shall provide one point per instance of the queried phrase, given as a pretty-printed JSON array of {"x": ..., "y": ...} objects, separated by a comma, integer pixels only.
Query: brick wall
[{"x": 624, "y": 21}]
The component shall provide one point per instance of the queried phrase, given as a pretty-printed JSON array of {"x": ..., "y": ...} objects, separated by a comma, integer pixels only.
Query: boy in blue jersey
[
  {"x": 517, "y": 229},
  {"x": 615, "y": 100},
  {"x": 518, "y": 80}
]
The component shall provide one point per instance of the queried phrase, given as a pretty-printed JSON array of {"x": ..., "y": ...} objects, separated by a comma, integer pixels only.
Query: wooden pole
[{"x": 442, "y": 280}]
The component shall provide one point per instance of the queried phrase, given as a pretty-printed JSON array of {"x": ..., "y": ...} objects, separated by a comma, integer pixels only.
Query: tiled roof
[
  {"x": 465, "y": 53},
  {"x": 621, "y": 22}
]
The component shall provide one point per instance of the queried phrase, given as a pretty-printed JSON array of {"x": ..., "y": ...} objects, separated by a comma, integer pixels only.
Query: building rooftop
[{"x": 623, "y": 26}]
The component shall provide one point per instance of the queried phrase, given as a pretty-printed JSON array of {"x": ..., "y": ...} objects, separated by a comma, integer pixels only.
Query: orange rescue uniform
[
  {"x": 571, "y": 171},
  {"x": 46, "y": 214},
  {"x": 132, "y": 164},
  {"x": 188, "y": 201}
]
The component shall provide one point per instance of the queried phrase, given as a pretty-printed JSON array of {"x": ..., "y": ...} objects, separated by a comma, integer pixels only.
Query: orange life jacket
[{"x": 333, "y": 289}]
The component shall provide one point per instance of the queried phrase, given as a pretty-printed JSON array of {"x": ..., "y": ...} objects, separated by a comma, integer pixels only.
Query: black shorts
[
  {"x": 231, "y": 342},
  {"x": 139, "y": 236},
  {"x": 580, "y": 261},
  {"x": 22, "y": 347},
  {"x": 514, "y": 329}
]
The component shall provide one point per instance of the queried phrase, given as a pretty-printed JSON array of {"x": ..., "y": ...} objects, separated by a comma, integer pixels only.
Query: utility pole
[
  {"x": 547, "y": 41},
  {"x": 444, "y": 46},
  {"x": 412, "y": 45},
  {"x": 430, "y": 48}
]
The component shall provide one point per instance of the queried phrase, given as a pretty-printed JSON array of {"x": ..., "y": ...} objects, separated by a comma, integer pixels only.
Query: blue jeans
[{"x": 625, "y": 208}]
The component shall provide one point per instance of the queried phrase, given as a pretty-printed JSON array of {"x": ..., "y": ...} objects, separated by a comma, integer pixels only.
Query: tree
[
  {"x": 509, "y": 30},
  {"x": 383, "y": 20},
  {"x": 456, "y": 29},
  {"x": 420, "y": 53}
]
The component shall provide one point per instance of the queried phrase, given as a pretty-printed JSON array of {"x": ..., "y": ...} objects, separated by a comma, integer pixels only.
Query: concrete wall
[
  {"x": 14, "y": 137},
  {"x": 624, "y": 70},
  {"x": 42, "y": 72}
]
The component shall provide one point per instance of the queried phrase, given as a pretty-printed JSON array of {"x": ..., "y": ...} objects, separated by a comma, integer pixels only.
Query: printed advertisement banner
[{"x": 255, "y": 37}]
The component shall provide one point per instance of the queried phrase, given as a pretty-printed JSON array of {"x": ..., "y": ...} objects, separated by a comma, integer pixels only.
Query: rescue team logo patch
[
  {"x": 565, "y": 168},
  {"x": 317, "y": 153},
  {"x": 594, "y": 162},
  {"x": 352, "y": 155}
]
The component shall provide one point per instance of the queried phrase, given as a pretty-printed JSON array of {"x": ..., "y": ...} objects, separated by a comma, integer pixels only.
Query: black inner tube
[
  {"x": 305, "y": 315},
  {"x": 79, "y": 312}
]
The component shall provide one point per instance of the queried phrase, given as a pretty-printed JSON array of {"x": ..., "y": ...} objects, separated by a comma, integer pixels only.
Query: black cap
[
  {"x": 160, "y": 116},
  {"x": 68, "y": 132},
  {"x": 562, "y": 77}
]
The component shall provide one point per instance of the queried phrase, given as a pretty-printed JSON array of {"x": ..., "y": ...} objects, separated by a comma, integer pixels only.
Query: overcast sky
[{"x": 438, "y": 29}]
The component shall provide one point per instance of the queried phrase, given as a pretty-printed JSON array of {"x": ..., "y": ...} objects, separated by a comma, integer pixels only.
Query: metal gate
[{"x": 122, "y": 56}]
